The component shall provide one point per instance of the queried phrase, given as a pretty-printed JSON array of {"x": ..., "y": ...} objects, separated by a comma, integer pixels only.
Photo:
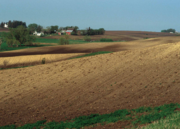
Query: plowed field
[{"x": 137, "y": 73}]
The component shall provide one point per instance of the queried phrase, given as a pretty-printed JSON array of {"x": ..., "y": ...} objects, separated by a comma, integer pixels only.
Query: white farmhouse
[
  {"x": 38, "y": 34},
  {"x": 5, "y": 26}
]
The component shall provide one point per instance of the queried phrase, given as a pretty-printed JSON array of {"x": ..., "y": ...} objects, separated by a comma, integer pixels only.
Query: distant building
[
  {"x": 62, "y": 32},
  {"x": 5, "y": 25},
  {"x": 38, "y": 34},
  {"x": 69, "y": 31}
]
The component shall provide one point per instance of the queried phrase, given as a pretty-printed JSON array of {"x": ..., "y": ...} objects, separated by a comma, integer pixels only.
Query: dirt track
[{"x": 146, "y": 74}]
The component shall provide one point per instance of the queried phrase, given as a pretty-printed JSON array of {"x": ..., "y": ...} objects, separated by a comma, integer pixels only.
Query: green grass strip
[{"x": 119, "y": 115}]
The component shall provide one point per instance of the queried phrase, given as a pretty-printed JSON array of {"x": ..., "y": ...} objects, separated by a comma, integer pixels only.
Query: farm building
[
  {"x": 69, "y": 31},
  {"x": 62, "y": 32},
  {"x": 38, "y": 34},
  {"x": 5, "y": 26}
]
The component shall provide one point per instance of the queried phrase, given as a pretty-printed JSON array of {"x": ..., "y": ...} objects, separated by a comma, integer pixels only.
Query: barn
[{"x": 69, "y": 31}]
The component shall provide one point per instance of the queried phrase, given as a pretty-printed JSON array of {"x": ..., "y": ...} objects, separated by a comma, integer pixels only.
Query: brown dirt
[
  {"x": 4, "y": 30},
  {"x": 82, "y": 86}
]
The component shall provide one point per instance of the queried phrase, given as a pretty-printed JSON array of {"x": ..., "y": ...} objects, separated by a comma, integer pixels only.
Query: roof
[{"x": 69, "y": 31}]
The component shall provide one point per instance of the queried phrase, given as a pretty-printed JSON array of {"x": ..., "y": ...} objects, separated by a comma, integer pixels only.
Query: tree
[
  {"x": 163, "y": 30},
  {"x": 48, "y": 29},
  {"x": 60, "y": 29},
  {"x": 2, "y": 25},
  {"x": 39, "y": 28},
  {"x": 43, "y": 30},
  {"x": 63, "y": 41},
  {"x": 102, "y": 31},
  {"x": 66, "y": 36},
  {"x": 73, "y": 33},
  {"x": 169, "y": 30},
  {"x": 76, "y": 29},
  {"x": 20, "y": 34},
  {"x": 9, "y": 24},
  {"x": 32, "y": 27},
  {"x": 15, "y": 24},
  {"x": 54, "y": 29}
]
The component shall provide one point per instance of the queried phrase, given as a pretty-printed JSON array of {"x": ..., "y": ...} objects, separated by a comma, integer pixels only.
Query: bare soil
[
  {"x": 4, "y": 30},
  {"x": 138, "y": 73}
]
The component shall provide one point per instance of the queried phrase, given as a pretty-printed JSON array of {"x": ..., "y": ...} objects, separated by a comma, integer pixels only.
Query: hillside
[{"x": 138, "y": 73}]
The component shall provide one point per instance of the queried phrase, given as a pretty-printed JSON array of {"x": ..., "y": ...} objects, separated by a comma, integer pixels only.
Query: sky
[{"x": 131, "y": 15}]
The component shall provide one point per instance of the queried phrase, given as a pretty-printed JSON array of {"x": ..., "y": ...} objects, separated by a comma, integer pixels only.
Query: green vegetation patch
[
  {"x": 106, "y": 40},
  {"x": 4, "y": 47}
]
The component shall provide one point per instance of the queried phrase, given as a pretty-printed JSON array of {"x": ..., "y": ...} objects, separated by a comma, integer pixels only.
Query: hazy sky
[{"x": 136, "y": 15}]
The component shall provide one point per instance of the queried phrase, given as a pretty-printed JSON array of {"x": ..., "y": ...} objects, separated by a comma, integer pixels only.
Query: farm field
[
  {"x": 61, "y": 52},
  {"x": 139, "y": 72},
  {"x": 4, "y": 30},
  {"x": 120, "y": 35}
]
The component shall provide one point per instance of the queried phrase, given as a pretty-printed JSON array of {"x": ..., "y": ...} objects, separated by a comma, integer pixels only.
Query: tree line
[
  {"x": 169, "y": 30},
  {"x": 13, "y": 24},
  {"x": 90, "y": 31}
]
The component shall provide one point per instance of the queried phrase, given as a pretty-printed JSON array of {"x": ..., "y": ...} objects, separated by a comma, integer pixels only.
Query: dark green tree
[
  {"x": 163, "y": 30},
  {"x": 48, "y": 29},
  {"x": 2, "y": 25},
  {"x": 54, "y": 29},
  {"x": 15, "y": 24},
  {"x": 9, "y": 24},
  {"x": 169, "y": 30},
  {"x": 20, "y": 34},
  {"x": 32, "y": 27},
  {"x": 102, "y": 31},
  {"x": 39, "y": 28}
]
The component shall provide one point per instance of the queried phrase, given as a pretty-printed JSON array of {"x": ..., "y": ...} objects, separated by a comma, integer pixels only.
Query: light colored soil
[{"x": 142, "y": 73}]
